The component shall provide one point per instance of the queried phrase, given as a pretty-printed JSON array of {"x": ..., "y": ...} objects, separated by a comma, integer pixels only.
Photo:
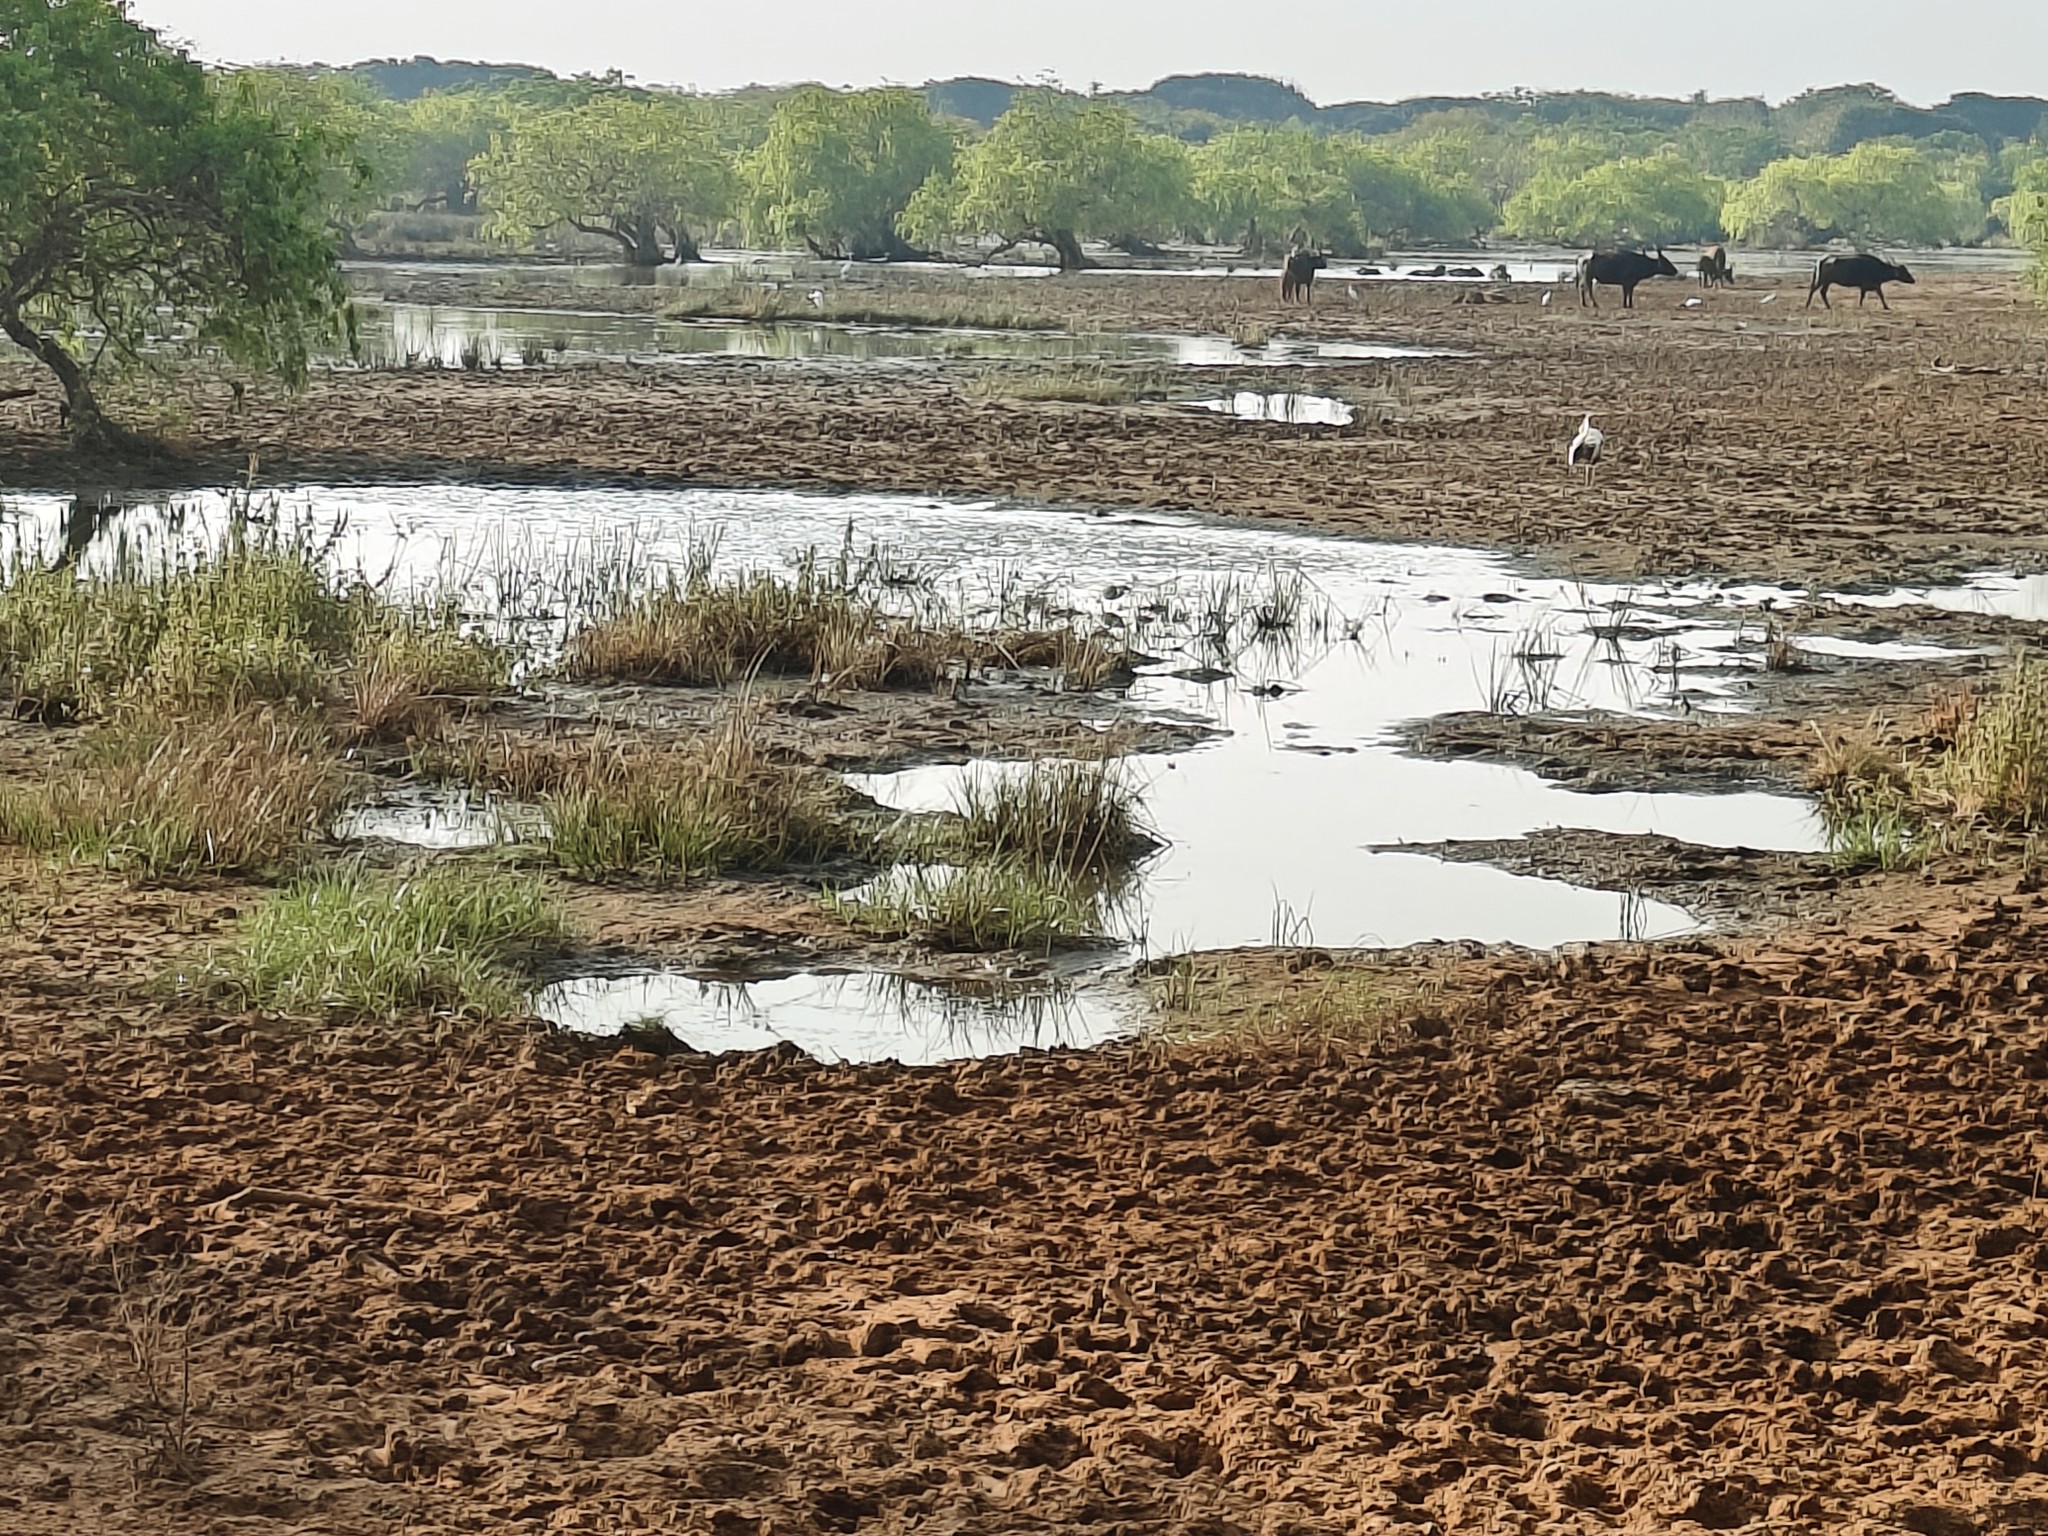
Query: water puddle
[
  {"x": 1305, "y": 651},
  {"x": 1992, "y": 594},
  {"x": 442, "y": 818},
  {"x": 862, "y": 1017},
  {"x": 485, "y": 338},
  {"x": 1295, "y": 410}
]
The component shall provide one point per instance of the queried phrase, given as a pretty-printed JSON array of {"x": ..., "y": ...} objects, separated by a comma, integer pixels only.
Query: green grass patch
[
  {"x": 722, "y": 804},
  {"x": 978, "y": 907},
  {"x": 356, "y": 945},
  {"x": 259, "y": 623},
  {"x": 1974, "y": 779},
  {"x": 822, "y": 622},
  {"x": 1054, "y": 815},
  {"x": 1073, "y": 384}
]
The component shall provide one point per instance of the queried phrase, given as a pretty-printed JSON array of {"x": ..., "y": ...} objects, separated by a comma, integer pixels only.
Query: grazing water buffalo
[
  {"x": 1298, "y": 277},
  {"x": 1714, "y": 270},
  {"x": 1866, "y": 274},
  {"x": 1623, "y": 270}
]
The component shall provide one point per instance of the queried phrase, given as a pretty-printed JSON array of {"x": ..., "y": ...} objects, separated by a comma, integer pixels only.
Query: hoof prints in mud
[{"x": 1695, "y": 1239}]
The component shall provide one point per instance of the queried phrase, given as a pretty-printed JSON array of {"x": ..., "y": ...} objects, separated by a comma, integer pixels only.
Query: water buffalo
[
  {"x": 1620, "y": 269},
  {"x": 1298, "y": 276},
  {"x": 1866, "y": 274},
  {"x": 1714, "y": 270},
  {"x": 1500, "y": 273},
  {"x": 1438, "y": 270}
]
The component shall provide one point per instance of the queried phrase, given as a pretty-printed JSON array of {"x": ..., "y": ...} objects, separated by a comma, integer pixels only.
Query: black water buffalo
[
  {"x": 1620, "y": 269},
  {"x": 1866, "y": 274},
  {"x": 1298, "y": 276},
  {"x": 1714, "y": 270}
]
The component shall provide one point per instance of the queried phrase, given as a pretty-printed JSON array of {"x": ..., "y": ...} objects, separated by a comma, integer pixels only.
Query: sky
[{"x": 1340, "y": 50}]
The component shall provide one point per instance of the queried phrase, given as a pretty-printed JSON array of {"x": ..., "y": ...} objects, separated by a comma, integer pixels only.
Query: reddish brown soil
[{"x": 1645, "y": 1243}]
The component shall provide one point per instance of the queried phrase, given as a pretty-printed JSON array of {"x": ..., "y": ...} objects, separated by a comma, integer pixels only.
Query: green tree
[
  {"x": 1654, "y": 200},
  {"x": 641, "y": 170},
  {"x": 837, "y": 169},
  {"x": 1265, "y": 187},
  {"x": 1876, "y": 193},
  {"x": 1054, "y": 171},
  {"x": 136, "y": 198},
  {"x": 364, "y": 164},
  {"x": 436, "y": 140}
]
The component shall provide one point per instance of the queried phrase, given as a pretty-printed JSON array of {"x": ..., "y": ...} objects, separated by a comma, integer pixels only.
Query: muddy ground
[
  {"x": 1744, "y": 439},
  {"x": 1637, "y": 1241},
  {"x": 1743, "y": 1232}
]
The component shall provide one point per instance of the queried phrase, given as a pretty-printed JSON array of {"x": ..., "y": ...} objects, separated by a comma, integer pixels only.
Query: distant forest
[
  {"x": 543, "y": 162},
  {"x": 1195, "y": 108}
]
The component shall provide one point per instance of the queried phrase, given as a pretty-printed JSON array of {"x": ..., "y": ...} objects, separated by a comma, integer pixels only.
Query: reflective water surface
[
  {"x": 1304, "y": 652},
  {"x": 869, "y": 1016}
]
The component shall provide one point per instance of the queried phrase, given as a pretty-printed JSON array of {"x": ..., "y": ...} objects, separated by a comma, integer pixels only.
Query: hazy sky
[{"x": 1339, "y": 50}]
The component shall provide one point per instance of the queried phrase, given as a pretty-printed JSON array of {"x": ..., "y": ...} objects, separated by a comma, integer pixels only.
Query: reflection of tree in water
[{"x": 83, "y": 520}]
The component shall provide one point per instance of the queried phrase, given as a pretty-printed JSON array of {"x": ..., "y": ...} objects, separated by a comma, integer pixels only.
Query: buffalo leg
[{"x": 1881, "y": 298}]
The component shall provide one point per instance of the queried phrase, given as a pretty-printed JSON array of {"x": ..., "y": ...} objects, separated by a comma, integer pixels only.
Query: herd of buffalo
[{"x": 1627, "y": 269}]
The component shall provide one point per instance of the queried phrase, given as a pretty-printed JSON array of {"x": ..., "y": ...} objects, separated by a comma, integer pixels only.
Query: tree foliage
[
  {"x": 642, "y": 170},
  {"x": 837, "y": 169},
  {"x": 1658, "y": 199},
  {"x": 1056, "y": 171},
  {"x": 1874, "y": 194},
  {"x": 139, "y": 198}
]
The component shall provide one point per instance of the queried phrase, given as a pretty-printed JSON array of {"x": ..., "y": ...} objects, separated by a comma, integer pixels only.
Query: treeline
[{"x": 895, "y": 173}]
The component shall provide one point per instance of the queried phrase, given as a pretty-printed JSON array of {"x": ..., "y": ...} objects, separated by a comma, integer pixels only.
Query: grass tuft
[
  {"x": 1975, "y": 778},
  {"x": 161, "y": 796},
  {"x": 350, "y": 944},
  {"x": 724, "y": 804},
  {"x": 1055, "y": 815},
  {"x": 978, "y": 907}
]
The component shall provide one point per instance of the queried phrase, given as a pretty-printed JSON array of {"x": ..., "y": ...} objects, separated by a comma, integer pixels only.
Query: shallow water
[
  {"x": 1332, "y": 643},
  {"x": 1293, "y": 409},
  {"x": 406, "y": 335},
  {"x": 860, "y": 1017},
  {"x": 441, "y": 817},
  {"x": 1305, "y": 652}
]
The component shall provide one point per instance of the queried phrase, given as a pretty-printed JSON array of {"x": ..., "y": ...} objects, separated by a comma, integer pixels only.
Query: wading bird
[
  {"x": 1546, "y": 298},
  {"x": 1584, "y": 452},
  {"x": 817, "y": 298}
]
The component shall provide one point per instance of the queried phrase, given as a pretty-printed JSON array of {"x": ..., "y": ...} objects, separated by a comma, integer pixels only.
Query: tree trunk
[
  {"x": 685, "y": 248},
  {"x": 90, "y": 428},
  {"x": 644, "y": 241},
  {"x": 1072, "y": 257}
]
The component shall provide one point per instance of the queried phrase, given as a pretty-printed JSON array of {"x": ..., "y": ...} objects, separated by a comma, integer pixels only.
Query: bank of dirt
[
  {"x": 1744, "y": 439},
  {"x": 1710, "y": 1237}
]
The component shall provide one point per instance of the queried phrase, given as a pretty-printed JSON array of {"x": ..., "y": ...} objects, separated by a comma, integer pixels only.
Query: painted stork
[{"x": 1584, "y": 451}]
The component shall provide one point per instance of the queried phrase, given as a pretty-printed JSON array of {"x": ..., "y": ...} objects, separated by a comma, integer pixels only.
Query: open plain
[{"x": 1743, "y": 1230}]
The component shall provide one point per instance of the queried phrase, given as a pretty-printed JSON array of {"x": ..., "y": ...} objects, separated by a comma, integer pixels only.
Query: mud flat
[{"x": 1666, "y": 1172}]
